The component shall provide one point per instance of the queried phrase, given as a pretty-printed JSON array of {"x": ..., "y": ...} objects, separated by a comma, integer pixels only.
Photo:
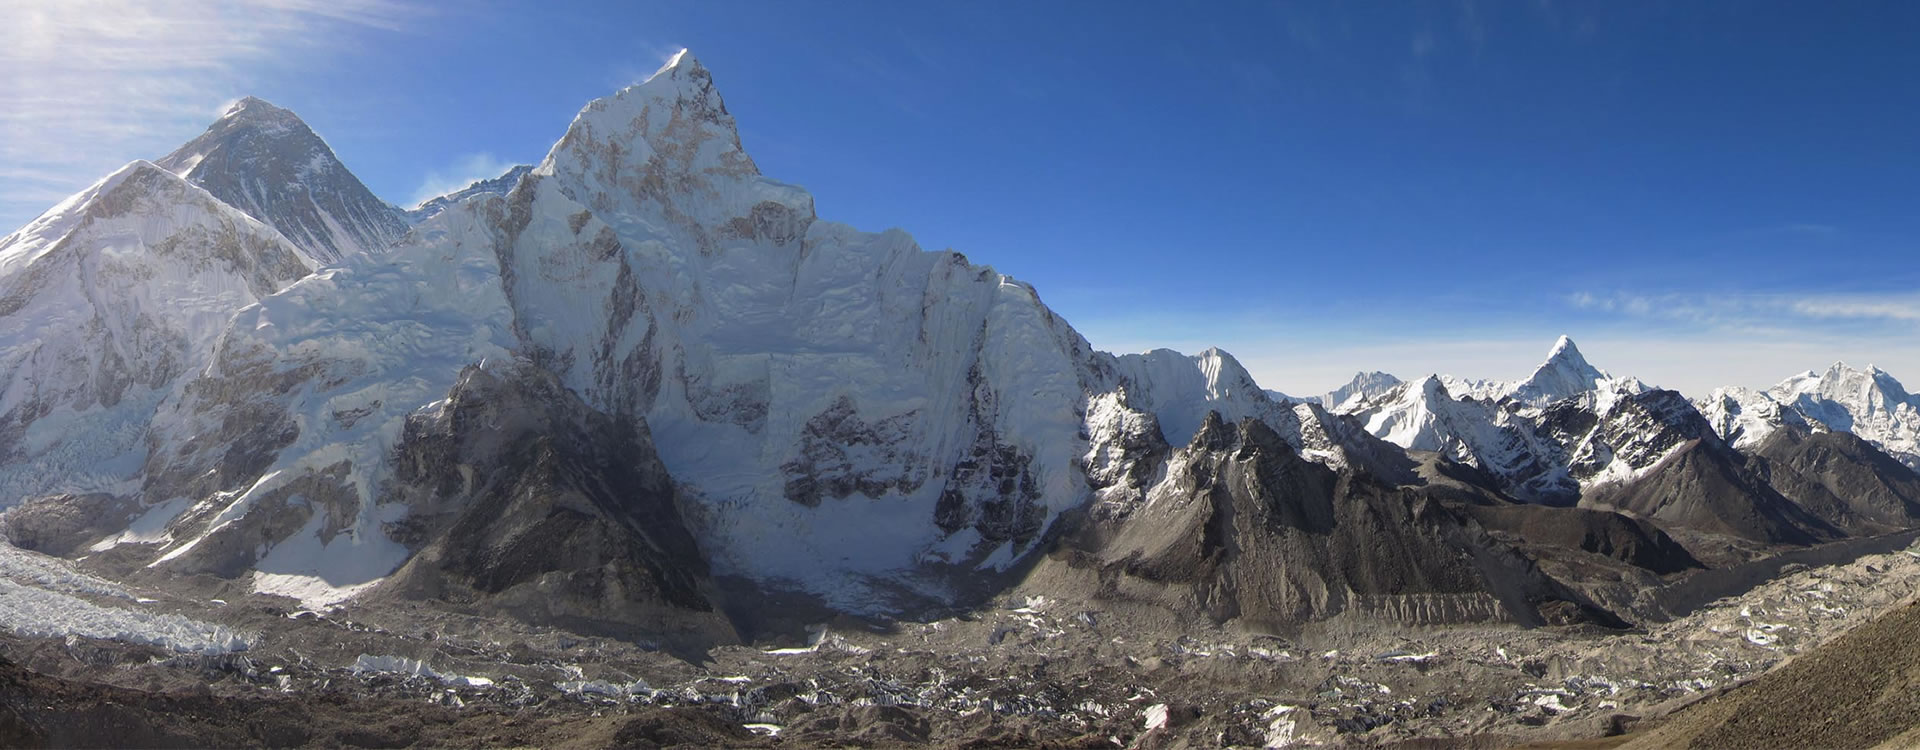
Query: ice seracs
[{"x": 107, "y": 302}]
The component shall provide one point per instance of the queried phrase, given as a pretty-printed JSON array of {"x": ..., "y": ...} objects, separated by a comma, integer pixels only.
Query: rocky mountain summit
[
  {"x": 266, "y": 162},
  {"x": 494, "y": 186},
  {"x": 1869, "y": 403}
]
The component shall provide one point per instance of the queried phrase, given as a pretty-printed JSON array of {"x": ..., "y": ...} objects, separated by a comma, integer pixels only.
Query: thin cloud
[
  {"x": 464, "y": 171},
  {"x": 1880, "y": 308},
  {"x": 1756, "y": 311},
  {"x": 93, "y": 84}
]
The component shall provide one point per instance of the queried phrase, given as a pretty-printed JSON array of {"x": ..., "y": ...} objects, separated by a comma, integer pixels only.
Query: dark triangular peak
[
  {"x": 265, "y": 161},
  {"x": 516, "y": 483},
  {"x": 1214, "y": 434}
]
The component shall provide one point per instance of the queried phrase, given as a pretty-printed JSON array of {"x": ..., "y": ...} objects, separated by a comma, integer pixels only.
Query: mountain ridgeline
[{"x": 645, "y": 355}]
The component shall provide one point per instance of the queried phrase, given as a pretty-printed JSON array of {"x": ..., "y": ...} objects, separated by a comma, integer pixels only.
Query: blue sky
[{"x": 1700, "y": 193}]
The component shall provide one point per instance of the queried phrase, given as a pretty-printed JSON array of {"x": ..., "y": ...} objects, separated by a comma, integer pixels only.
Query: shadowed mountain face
[
  {"x": 526, "y": 502},
  {"x": 1630, "y": 540},
  {"x": 1706, "y": 486},
  {"x": 1245, "y": 530},
  {"x": 265, "y": 161},
  {"x": 1677, "y": 471},
  {"x": 1840, "y": 477}
]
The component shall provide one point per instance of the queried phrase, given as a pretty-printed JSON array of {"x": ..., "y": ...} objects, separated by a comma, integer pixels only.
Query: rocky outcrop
[
  {"x": 1705, "y": 486},
  {"x": 1840, "y": 477},
  {"x": 1624, "y": 538},
  {"x": 528, "y": 503},
  {"x": 1243, "y": 529}
]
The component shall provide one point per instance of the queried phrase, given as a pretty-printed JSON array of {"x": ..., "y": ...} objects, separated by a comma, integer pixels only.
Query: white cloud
[
  {"x": 1905, "y": 308},
  {"x": 1758, "y": 311},
  {"x": 464, "y": 171},
  {"x": 93, "y": 84}
]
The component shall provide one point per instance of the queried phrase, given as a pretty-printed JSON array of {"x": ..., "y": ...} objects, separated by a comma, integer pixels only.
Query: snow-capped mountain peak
[
  {"x": 669, "y": 146},
  {"x": 432, "y": 207},
  {"x": 1870, "y": 388},
  {"x": 265, "y": 161},
  {"x": 1181, "y": 389},
  {"x": 1564, "y": 373},
  {"x": 105, "y": 302},
  {"x": 1868, "y": 402},
  {"x": 1364, "y": 385},
  {"x": 262, "y": 114}
]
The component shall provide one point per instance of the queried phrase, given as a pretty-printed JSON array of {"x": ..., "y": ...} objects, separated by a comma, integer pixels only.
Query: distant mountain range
[{"x": 641, "y": 384}]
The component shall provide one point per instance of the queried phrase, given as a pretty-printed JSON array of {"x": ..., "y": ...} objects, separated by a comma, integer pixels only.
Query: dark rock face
[
  {"x": 1705, "y": 486},
  {"x": 1841, "y": 478},
  {"x": 992, "y": 488},
  {"x": 526, "y": 502},
  {"x": 61, "y": 525},
  {"x": 1248, "y": 530},
  {"x": 1629, "y": 540},
  {"x": 1638, "y": 432},
  {"x": 264, "y": 161},
  {"x": 841, "y": 454},
  {"x": 1682, "y": 474}
]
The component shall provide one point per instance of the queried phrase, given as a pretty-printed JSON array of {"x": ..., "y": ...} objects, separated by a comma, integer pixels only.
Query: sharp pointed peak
[
  {"x": 1567, "y": 353},
  {"x": 682, "y": 60},
  {"x": 1839, "y": 368},
  {"x": 682, "y": 83},
  {"x": 1564, "y": 347},
  {"x": 253, "y": 109},
  {"x": 133, "y": 167},
  {"x": 681, "y": 71},
  {"x": 249, "y": 103}
]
